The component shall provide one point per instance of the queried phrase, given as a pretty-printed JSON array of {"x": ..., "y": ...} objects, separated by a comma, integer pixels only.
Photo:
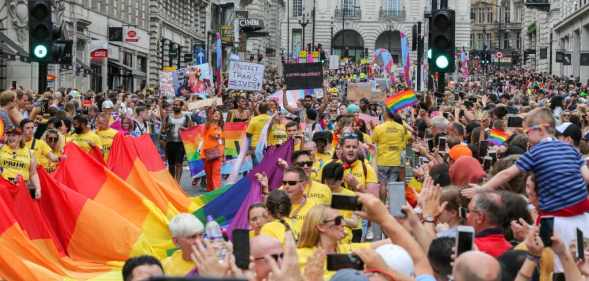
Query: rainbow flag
[
  {"x": 400, "y": 100},
  {"x": 192, "y": 139},
  {"x": 498, "y": 137},
  {"x": 233, "y": 133}
]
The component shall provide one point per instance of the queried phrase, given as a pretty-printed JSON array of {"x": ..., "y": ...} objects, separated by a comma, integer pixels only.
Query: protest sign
[
  {"x": 334, "y": 62},
  {"x": 167, "y": 84},
  {"x": 246, "y": 76},
  {"x": 193, "y": 80},
  {"x": 199, "y": 104},
  {"x": 303, "y": 76},
  {"x": 358, "y": 91}
]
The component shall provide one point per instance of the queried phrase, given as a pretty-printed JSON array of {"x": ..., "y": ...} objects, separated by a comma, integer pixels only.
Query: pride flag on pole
[
  {"x": 498, "y": 137},
  {"x": 233, "y": 133},
  {"x": 400, "y": 100}
]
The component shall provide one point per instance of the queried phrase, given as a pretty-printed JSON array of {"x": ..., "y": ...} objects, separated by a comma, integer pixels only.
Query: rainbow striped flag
[
  {"x": 233, "y": 133},
  {"x": 192, "y": 139},
  {"x": 400, "y": 100},
  {"x": 498, "y": 137}
]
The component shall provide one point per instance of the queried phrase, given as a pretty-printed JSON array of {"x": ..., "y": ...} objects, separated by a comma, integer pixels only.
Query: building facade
[
  {"x": 571, "y": 37},
  {"x": 496, "y": 27},
  {"x": 360, "y": 27},
  {"x": 152, "y": 30}
]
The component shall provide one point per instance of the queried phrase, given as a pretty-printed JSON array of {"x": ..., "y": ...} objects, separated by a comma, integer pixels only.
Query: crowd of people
[{"x": 495, "y": 155}]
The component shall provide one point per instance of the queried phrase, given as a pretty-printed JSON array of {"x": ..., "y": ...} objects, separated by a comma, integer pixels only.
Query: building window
[
  {"x": 297, "y": 40},
  {"x": 472, "y": 43},
  {"x": 349, "y": 7},
  {"x": 518, "y": 41},
  {"x": 142, "y": 63},
  {"x": 488, "y": 39},
  {"x": 506, "y": 41},
  {"x": 480, "y": 43},
  {"x": 128, "y": 59},
  {"x": 489, "y": 15},
  {"x": 473, "y": 15},
  {"x": 297, "y": 8},
  {"x": 392, "y": 5}
]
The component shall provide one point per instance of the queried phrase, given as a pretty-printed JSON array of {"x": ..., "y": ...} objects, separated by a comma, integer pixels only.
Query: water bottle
[{"x": 214, "y": 234}]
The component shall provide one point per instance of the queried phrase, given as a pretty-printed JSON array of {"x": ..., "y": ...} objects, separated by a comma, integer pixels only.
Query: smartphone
[
  {"x": 442, "y": 144},
  {"x": 493, "y": 156},
  {"x": 336, "y": 262},
  {"x": 580, "y": 245},
  {"x": 241, "y": 237},
  {"x": 546, "y": 230},
  {"x": 515, "y": 122},
  {"x": 396, "y": 198},
  {"x": 430, "y": 144},
  {"x": 464, "y": 239},
  {"x": 342, "y": 202},
  {"x": 483, "y": 148},
  {"x": 487, "y": 163},
  {"x": 462, "y": 211}
]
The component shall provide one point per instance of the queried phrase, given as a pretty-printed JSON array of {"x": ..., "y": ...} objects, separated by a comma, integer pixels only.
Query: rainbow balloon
[{"x": 400, "y": 100}]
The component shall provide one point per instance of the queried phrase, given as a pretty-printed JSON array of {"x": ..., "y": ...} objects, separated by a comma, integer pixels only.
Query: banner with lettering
[
  {"x": 246, "y": 76},
  {"x": 303, "y": 76}
]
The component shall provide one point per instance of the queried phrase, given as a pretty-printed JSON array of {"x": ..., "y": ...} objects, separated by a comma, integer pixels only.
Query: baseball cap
[
  {"x": 353, "y": 108},
  {"x": 349, "y": 275},
  {"x": 458, "y": 151},
  {"x": 396, "y": 258},
  {"x": 569, "y": 129},
  {"x": 107, "y": 104}
]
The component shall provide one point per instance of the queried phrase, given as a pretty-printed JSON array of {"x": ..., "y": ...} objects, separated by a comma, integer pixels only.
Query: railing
[
  {"x": 349, "y": 13},
  {"x": 385, "y": 14}
]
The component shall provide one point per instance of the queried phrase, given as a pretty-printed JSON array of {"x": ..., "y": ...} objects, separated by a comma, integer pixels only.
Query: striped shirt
[{"x": 557, "y": 167}]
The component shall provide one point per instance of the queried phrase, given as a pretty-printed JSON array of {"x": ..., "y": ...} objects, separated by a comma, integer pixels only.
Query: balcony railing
[
  {"x": 349, "y": 13},
  {"x": 385, "y": 14}
]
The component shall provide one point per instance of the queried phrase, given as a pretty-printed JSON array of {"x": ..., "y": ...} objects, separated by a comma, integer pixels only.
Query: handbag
[{"x": 212, "y": 153}]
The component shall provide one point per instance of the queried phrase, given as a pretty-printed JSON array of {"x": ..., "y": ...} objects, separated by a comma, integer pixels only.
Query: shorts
[
  {"x": 388, "y": 174},
  {"x": 175, "y": 152}
]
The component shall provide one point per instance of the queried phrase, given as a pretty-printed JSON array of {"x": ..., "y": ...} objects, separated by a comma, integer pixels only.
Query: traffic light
[
  {"x": 62, "y": 52},
  {"x": 40, "y": 31},
  {"x": 443, "y": 45}
]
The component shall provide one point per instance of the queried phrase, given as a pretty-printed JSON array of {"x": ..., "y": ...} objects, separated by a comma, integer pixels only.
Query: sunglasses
[
  {"x": 305, "y": 164},
  {"x": 291, "y": 183},
  {"x": 336, "y": 221},
  {"x": 52, "y": 139},
  {"x": 276, "y": 257}
]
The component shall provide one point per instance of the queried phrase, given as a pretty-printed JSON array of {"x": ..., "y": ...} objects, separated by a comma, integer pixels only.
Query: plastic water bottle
[{"x": 214, "y": 234}]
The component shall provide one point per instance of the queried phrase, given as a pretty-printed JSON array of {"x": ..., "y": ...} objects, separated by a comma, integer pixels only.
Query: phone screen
[
  {"x": 465, "y": 239},
  {"x": 546, "y": 230},
  {"x": 342, "y": 202},
  {"x": 483, "y": 148},
  {"x": 396, "y": 194},
  {"x": 580, "y": 245},
  {"x": 241, "y": 253},
  {"x": 463, "y": 212},
  {"x": 341, "y": 261},
  {"x": 442, "y": 144},
  {"x": 430, "y": 144}
]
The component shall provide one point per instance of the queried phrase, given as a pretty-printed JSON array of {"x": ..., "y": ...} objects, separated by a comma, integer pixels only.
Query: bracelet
[{"x": 535, "y": 259}]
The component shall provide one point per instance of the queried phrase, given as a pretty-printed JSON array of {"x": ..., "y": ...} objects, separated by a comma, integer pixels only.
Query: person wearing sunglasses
[
  {"x": 43, "y": 153},
  {"x": 262, "y": 246},
  {"x": 105, "y": 132},
  {"x": 55, "y": 143},
  {"x": 315, "y": 190},
  {"x": 324, "y": 227}
]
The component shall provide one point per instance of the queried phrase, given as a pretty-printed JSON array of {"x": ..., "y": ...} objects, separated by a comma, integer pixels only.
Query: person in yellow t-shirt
[
  {"x": 324, "y": 152},
  {"x": 324, "y": 227},
  {"x": 83, "y": 136},
  {"x": 43, "y": 153},
  {"x": 390, "y": 138},
  {"x": 257, "y": 124},
  {"x": 186, "y": 230},
  {"x": 315, "y": 190},
  {"x": 106, "y": 134},
  {"x": 333, "y": 177},
  {"x": 17, "y": 161},
  {"x": 52, "y": 138},
  {"x": 277, "y": 134}
]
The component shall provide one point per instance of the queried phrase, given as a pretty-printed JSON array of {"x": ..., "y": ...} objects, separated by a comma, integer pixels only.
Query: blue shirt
[{"x": 557, "y": 168}]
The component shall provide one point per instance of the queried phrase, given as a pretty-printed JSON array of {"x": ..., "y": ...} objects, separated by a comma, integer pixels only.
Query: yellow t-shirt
[
  {"x": 83, "y": 140},
  {"x": 41, "y": 152},
  {"x": 256, "y": 126},
  {"x": 175, "y": 265},
  {"x": 321, "y": 159},
  {"x": 277, "y": 134},
  {"x": 390, "y": 138},
  {"x": 274, "y": 229},
  {"x": 343, "y": 248},
  {"x": 318, "y": 192},
  {"x": 357, "y": 171},
  {"x": 15, "y": 162},
  {"x": 106, "y": 137},
  {"x": 297, "y": 216}
]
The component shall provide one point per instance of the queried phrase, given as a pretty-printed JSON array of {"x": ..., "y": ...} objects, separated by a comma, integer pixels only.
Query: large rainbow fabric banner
[
  {"x": 400, "y": 100},
  {"x": 192, "y": 139},
  {"x": 498, "y": 137}
]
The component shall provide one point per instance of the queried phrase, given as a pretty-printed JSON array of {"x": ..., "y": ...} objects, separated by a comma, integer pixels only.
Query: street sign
[{"x": 499, "y": 55}]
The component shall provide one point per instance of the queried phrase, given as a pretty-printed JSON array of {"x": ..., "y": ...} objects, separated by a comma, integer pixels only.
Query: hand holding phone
[
  {"x": 547, "y": 230},
  {"x": 580, "y": 245},
  {"x": 241, "y": 253},
  {"x": 464, "y": 239},
  {"x": 342, "y": 261},
  {"x": 342, "y": 202}
]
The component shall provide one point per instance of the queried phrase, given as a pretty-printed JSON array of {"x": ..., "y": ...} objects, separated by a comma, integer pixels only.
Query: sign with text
[
  {"x": 167, "y": 88},
  {"x": 200, "y": 104},
  {"x": 246, "y": 76},
  {"x": 303, "y": 76},
  {"x": 334, "y": 62},
  {"x": 358, "y": 91}
]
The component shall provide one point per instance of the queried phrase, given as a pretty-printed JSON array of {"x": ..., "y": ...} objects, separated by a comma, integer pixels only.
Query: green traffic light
[
  {"x": 40, "y": 51},
  {"x": 442, "y": 62}
]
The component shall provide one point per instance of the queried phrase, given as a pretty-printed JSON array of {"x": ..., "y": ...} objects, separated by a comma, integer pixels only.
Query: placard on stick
[{"x": 246, "y": 76}]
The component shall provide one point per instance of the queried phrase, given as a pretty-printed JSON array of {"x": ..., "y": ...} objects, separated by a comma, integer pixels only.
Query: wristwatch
[{"x": 428, "y": 219}]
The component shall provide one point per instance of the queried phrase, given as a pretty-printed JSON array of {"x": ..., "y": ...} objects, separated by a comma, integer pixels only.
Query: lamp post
[
  {"x": 288, "y": 30},
  {"x": 314, "y": 23},
  {"x": 303, "y": 22},
  {"x": 331, "y": 49}
]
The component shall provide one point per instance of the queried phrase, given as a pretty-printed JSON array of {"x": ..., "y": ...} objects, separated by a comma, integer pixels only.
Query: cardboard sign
[
  {"x": 167, "y": 88},
  {"x": 303, "y": 76},
  {"x": 334, "y": 62},
  {"x": 246, "y": 76},
  {"x": 199, "y": 104},
  {"x": 358, "y": 91}
]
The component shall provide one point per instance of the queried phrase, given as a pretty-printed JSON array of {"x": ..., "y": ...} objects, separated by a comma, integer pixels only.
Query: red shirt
[{"x": 492, "y": 241}]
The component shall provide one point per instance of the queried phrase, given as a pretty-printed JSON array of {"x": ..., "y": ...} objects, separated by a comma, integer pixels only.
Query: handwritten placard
[
  {"x": 246, "y": 76},
  {"x": 200, "y": 104}
]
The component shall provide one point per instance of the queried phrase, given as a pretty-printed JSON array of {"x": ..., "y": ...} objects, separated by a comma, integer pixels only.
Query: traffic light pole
[
  {"x": 419, "y": 55},
  {"x": 441, "y": 83},
  {"x": 42, "y": 79}
]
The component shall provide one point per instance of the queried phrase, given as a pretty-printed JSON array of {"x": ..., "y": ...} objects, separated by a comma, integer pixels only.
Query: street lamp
[
  {"x": 303, "y": 22},
  {"x": 331, "y": 50}
]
